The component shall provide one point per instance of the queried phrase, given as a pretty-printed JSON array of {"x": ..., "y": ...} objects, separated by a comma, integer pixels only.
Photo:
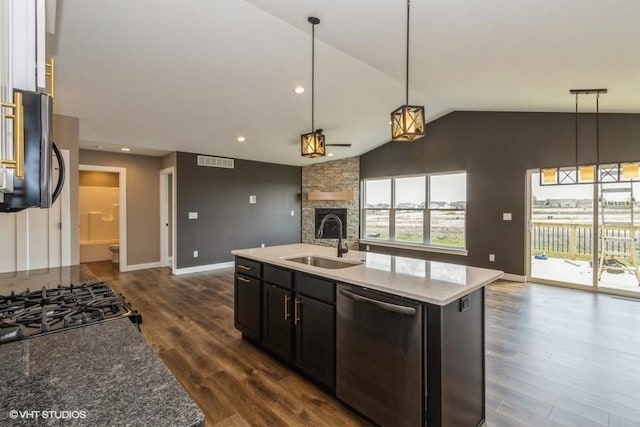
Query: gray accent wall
[
  {"x": 496, "y": 149},
  {"x": 226, "y": 220}
]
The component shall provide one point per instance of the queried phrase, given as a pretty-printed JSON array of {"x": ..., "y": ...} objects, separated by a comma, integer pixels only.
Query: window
[{"x": 424, "y": 210}]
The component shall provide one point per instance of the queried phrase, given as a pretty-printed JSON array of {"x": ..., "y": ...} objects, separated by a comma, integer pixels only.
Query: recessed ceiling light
[
  {"x": 299, "y": 90},
  {"x": 330, "y": 154},
  {"x": 241, "y": 139},
  {"x": 127, "y": 149}
]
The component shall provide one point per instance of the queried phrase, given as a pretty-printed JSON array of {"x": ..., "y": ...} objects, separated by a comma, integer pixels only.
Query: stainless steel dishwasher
[{"x": 379, "y": 359}]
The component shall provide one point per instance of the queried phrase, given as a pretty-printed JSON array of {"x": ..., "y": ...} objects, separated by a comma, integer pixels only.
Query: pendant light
[
  {"x": 407, "y": 121},
  {"x": 312, "y": 143},
  {"x": 582, "y": 174}
]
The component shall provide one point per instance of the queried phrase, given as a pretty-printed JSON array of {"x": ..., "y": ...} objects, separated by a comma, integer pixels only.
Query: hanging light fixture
[
  {"x": 407, "y": 121},
  {"x": 312, "y": 143},
  {"x": 579, "y": 174}
]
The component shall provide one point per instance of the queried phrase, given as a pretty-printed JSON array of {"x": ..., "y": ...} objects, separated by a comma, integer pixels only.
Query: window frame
[{"x": 426, "y": 217}]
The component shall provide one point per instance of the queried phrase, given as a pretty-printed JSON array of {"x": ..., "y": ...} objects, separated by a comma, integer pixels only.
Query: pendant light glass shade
[
  {"x": 586, "y": 174},
  {"x": 312, "y": 144},
  {"x": 407, "y": 121},
  {"x": 630, "y": 170},
  {"x": 549, "y": 176}
]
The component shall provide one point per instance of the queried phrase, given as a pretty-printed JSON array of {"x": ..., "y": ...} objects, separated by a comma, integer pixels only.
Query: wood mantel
[{"x": 330, "y": 195}]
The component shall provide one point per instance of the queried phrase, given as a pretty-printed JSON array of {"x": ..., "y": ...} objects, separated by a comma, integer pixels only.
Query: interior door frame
[
  {"x": 122, "y": 189},
  {"x": 166, "y": 175}
]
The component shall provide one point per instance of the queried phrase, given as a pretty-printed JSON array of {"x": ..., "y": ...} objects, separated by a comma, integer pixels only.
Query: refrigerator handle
[{"x": 61, "y": 173}]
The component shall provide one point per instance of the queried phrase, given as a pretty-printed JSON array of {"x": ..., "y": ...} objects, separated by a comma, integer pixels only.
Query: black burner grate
[{"x": 30, "y": 313}]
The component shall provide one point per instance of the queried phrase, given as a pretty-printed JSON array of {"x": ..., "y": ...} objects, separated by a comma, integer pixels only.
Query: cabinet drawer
[
  {"x": 248, "y": 298},
  {"x": 248, "y": 267},
  {"x": 277, "y": 276},
  {"x": 314, "y": 287}
]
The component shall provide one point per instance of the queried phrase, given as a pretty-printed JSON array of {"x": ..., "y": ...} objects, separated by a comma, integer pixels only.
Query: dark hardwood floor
[{"x": 554, "y": 356}]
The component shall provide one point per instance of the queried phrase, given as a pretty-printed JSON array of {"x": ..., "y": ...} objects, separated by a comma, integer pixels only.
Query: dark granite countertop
[{"x": 106, "y": 370}]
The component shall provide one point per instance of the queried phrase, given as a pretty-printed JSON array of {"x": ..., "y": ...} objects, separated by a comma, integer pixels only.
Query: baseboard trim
[
  {"x": 146, "y": 266},
  {"x": 514, "y": 277},
  {"x": 201, "y": 268}
]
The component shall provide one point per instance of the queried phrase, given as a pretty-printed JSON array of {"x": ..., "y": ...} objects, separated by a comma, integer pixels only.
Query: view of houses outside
[
  {"x": 444, "y": 216},
  {"x": 562, "y": 233}
]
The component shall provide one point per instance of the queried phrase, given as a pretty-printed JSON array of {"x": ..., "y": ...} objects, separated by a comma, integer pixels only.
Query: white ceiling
[{"x": 192, "y": 75}]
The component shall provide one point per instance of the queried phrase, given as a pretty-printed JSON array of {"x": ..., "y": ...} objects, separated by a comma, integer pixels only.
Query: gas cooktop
[{"x": 32, "y": 313}]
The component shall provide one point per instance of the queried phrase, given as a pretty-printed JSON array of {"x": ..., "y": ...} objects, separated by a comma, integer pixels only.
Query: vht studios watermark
[{"x": 47, "y": 415}]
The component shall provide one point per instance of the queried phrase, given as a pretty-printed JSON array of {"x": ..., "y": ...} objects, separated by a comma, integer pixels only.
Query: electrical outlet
[
  {"x": 367, "y": 248},
  {"x": 506, "y": 216},
  {"x": 293, "y": 213},
  {"x": 252, "y": 200},
  {"x": 492, "y": 257},
  {"x": 465, "y": 303},
  {"x": 262, "y": 245},
  {"x": 195, "y": 254},
  {"x": 193, "y": 215}
]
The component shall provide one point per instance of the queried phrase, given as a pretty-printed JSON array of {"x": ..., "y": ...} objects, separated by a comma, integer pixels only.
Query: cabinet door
[
  {"x": 315, "y": 339},
  {"x": 277, "y": 306},
  {"x": 247, "y": 306}
]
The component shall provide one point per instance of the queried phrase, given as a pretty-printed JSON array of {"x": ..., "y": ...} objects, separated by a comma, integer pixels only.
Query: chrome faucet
[{"x": 341, "y": 249}]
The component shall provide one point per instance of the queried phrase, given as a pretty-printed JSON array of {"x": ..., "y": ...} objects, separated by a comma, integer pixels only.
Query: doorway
[
  {"x": 102, "y": 215},
  {"x": 167, "y": 217},
  {"x": 584, "y": 236}
]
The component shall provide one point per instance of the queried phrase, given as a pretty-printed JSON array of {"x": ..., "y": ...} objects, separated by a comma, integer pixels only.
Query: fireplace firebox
[{"x": 331, "y": 229}]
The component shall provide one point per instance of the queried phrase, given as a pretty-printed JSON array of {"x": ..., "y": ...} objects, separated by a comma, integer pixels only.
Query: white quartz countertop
[{"x": 433, "y": 282}]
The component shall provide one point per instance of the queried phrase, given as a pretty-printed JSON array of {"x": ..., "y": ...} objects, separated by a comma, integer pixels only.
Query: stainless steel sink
[{"x": 322, "y": 262}]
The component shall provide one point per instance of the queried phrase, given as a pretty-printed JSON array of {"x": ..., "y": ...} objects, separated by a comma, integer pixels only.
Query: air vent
[{"x": 215, "y": 162}]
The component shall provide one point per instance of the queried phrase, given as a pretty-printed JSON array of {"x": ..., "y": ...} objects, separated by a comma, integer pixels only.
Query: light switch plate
[
  {"x": 252, "y": 200},
  {"x": 506, "y": 216},
  {"x": 195, "y": 254},
  {"x": 193, "y": 215}
]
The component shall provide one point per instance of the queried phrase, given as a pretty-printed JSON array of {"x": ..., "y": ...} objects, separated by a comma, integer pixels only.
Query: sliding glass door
[
  {"x": 561, "y": 233},
  {"x": 618, "y": 264},
  {"x": 585, "y": 235}
]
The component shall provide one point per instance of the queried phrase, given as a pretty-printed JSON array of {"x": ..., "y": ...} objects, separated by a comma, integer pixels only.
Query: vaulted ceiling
[{"x": 193, "y": 75}]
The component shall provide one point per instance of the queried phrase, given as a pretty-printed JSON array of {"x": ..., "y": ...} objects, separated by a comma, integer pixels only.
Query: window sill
[{"x": 424, "y": 248}]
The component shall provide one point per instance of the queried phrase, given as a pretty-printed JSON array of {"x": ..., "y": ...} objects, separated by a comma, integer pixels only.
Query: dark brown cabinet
[
  {"x": 247, "y": 313},
  {"x": 315, "y": 339},
  {"x": 291, "y": 314},
  {"x": 277, "y": 320}
]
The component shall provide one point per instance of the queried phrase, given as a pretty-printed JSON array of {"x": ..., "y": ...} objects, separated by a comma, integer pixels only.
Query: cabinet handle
[
  {"x": 52, "y": 77},
  {"x": 18, "y": 135},
  {"x": 244, "y": 267},
  {"x": 242, "y": 279},
  {"x": 296, "y": 312},
  {"x": 286, "y": 307}
]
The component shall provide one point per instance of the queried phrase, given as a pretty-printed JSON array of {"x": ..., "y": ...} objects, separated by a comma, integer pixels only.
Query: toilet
[{"x": 115, "y": 253}]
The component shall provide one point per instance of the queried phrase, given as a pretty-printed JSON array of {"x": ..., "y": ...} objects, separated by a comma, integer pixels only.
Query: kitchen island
[{"x": 399, "y": 340}]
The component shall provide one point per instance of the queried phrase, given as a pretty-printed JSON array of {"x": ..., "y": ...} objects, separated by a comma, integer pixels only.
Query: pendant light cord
[
  {"x": 597, "y": 128},
  {"x": 407, "y": 70},
  {"x": 313, "y": 58},
  {"x": 576, "y": 125}
]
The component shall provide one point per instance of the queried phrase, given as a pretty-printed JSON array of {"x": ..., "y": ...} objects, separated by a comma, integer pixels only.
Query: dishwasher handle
[{"x": 395, "y": 308}]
